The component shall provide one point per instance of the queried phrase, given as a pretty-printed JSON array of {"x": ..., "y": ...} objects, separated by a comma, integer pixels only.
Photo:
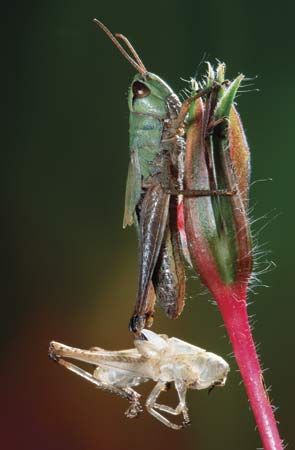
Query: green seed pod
[{"x": 217, "y": 158}]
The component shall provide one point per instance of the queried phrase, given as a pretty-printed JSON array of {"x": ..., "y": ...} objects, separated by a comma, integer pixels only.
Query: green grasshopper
[{"x": 154, "y": 188}]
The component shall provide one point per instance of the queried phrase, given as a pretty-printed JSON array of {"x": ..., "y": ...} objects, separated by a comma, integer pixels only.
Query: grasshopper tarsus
[
  {"x": 138, "y": 323},
  {"x": 134, "y": 410},
  {"x": 51, "y": 353},
  {"x": 186, "y": 423},
  {"x": 214, "y": 123}
]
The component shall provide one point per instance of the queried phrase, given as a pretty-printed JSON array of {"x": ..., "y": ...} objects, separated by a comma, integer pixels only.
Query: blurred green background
[{"x": 69, "y": 270}]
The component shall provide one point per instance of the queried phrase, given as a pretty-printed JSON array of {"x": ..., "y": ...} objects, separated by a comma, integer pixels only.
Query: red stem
[{"x": 233, "y": 308}]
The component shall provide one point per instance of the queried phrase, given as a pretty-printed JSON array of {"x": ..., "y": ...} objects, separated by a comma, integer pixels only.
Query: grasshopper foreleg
[{"x": 187, "y": 103}]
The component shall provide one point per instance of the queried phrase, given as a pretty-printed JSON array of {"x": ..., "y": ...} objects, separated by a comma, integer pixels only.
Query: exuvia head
[
  {"x": 210, "y": 369},
  {"x": 148, "y": 91}
]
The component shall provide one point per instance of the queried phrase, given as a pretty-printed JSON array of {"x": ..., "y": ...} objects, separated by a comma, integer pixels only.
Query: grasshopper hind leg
[
  {"x": 128, "y": 393},
  {"x": 169, "y": 273},
  {"x": 152, "y": 218}
]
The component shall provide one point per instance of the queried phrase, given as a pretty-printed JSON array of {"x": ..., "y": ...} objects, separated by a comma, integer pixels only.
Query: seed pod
[
  {"x": 217, "y": 159},
  {"x": 218, "y": 231}
]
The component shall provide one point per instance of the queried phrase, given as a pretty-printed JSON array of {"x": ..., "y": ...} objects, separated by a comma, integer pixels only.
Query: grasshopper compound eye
[{"x": 140, "y": 90}]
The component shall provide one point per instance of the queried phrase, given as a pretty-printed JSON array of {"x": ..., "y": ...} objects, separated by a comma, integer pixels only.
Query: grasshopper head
[
  {"x": 148, "y": 94},
  {"x": 209, "y": 369}
]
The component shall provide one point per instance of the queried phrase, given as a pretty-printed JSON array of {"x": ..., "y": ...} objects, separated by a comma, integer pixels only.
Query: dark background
[{"x": 69, "y": 270}]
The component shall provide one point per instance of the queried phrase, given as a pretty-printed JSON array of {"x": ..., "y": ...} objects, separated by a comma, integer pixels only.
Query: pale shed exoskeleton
[{"x": 155, "y": 357}]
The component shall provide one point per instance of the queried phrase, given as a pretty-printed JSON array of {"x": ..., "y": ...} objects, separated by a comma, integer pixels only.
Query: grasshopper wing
[
  {"x": 181, "y": 347},
  {"x": 153, "y": 216},
  {"x": 133, "y": 189}
]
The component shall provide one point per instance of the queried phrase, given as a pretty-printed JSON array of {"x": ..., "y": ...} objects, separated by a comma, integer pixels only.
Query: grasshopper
[
  {"x": 155, "y": 187},
  {"x": 155, "y": 357}
]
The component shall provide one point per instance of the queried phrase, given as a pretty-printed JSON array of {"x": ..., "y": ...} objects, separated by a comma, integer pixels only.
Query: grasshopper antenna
[
  {"x": 136, "y": 62},
  {"x": 132, "y": 49}
]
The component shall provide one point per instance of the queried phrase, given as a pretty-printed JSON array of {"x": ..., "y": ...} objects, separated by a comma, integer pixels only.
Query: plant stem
[{"x": 233, "y": 307}]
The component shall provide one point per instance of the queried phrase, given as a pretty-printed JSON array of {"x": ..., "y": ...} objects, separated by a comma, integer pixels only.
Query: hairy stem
[{"x": 233, "y": 308}]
